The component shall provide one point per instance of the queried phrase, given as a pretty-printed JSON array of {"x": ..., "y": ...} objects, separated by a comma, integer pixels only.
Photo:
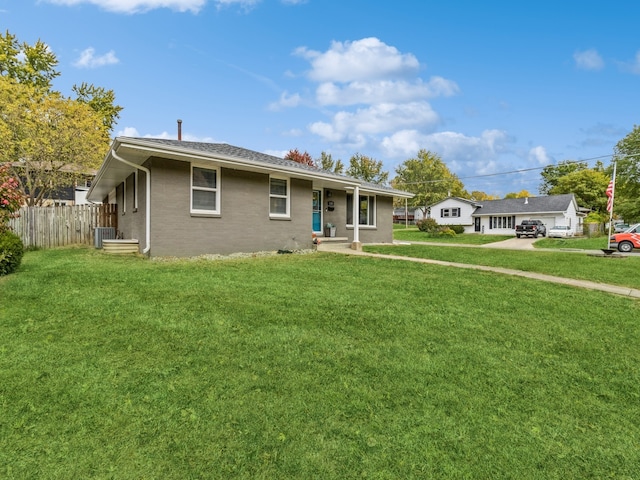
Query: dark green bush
[
  {"x": 459, "y": 229},
  {"x": 428, "y": 225},
  {"x": 11, "y": 251}
]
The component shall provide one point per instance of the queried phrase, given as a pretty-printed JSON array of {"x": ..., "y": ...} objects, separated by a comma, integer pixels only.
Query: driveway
[{"x": 524, "y": 243}]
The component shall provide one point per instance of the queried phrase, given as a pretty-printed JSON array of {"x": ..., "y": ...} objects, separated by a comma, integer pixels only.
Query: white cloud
[
  {"x": 633, "y": 66},
  {"x": 379, "y": 82},
  {"x": 134, "y": 133},
  {"x": 88, "y": 59},
  {"x": 460, "y": 151},
  {"x": 588, "y": 60},
  {"x": 138, "y": 6},
  {"x": 246, "y": 5},
  {"x": 363, "y": 92},
  {"x": 286, "y": 101},
  {"x": 294, "y": 132},
  {"x": 128, "y": 132},
  {"x": 276, "y": 153},
  {"x": 539, "y": 155},
  {"x": 376, "y": 119},
  {"x": 367, "y": 59}
]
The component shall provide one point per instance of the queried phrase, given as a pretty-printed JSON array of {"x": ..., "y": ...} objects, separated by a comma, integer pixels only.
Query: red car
[{"x": 628, "y": 240}]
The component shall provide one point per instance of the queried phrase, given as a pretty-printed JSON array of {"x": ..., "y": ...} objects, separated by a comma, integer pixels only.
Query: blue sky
[{"x": 492, "y": 87}]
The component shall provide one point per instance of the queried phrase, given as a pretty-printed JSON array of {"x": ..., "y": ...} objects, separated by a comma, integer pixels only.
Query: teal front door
[{"x": 316, "y": 222}]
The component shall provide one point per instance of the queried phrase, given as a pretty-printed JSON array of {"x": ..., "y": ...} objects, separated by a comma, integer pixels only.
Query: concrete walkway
[{"x": 345, "y": 248}]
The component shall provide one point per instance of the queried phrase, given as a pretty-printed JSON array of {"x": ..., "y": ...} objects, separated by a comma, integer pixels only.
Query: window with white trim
[
  {"x": 449, "y": 212},
  {"x": 205, "y": 190},
  {"x": 366, "y": 210},
  {"x": 279, "y": 197}
]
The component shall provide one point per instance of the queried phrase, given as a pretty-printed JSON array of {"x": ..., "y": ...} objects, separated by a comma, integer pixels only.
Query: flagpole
[{"x": 613, "y": 193}]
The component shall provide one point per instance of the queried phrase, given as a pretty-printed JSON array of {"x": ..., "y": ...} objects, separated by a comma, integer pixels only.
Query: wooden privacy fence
[{"x": 47, "y": 227}]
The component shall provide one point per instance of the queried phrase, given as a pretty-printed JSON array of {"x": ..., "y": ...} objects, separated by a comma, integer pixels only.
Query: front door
[
  {"x": 476, "y": 224},
  {"x": 317, "y": 211}
]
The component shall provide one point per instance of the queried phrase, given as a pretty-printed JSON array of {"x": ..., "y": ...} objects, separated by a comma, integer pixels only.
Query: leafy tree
[
  {"x": 479, "y": 196},
  {"x": 304, "y": 158},
  {"x": 627, "y": 193},
  {"x": 551, "y": 174},
  {"x": 520, "y": 194},
  {"x": 326, "y": 162},
  {"x": 49, "y": 141},
  {"x": 28, "y": 64},
  {"x": 588, "y": 186},
  {"x": 367, "y": 169},
  {"x": 101, "y": 101},
  {"x": 429, "y": 179}
]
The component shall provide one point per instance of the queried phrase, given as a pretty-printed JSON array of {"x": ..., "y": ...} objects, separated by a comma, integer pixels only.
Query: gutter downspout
[{"x": 148, "y": 197}]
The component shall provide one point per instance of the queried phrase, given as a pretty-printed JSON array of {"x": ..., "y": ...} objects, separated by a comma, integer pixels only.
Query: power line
[{"x": 568, "y": 162}]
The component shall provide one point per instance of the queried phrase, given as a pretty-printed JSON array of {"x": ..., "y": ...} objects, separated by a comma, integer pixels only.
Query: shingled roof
[
  {"x": 113, "y": 172},
  {"x": 525, "y": 206},
  {"x": 230, "y": 151}
]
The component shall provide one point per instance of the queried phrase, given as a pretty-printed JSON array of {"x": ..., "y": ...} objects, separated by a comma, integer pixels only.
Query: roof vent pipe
[
  {"x": 179, "y": 129},
  {"x": 526, "y": 201}
]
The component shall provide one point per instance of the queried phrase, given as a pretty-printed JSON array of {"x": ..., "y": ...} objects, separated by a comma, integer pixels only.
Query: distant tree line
[{"x": 430, "y": 180}]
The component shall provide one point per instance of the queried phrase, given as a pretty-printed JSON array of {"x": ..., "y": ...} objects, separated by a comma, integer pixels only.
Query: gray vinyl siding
[{"x": 243, "y": 224}]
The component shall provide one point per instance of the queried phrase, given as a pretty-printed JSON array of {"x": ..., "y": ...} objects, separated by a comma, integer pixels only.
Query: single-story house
[
  {"x": 183, "y": 198},
  {"x": 500, "y": 217}
]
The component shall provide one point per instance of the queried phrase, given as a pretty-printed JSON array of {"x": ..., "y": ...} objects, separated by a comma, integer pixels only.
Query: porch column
[{"x": 356, "y": 245}]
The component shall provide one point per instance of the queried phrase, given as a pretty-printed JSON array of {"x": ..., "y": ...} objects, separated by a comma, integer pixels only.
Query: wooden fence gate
[{"x": 47, "y": 227}]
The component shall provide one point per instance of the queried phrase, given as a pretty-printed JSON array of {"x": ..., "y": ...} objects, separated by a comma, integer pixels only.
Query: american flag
[{"x": 609, "y": 193}]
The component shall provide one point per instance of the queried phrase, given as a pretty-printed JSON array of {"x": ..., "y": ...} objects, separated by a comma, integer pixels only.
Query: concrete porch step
[
  {"x": 120, "y": 246},
  {"x": 333, "y": 239}
]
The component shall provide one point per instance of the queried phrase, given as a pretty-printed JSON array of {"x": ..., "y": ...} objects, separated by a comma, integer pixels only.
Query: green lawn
[
  {"x": 412, "y": 234},
  {"x": 614, "y": 270},
  {"x": 415, "y": 235},
  {"x": 310, "y": 366},
  {"x": 580, "y": 243}
]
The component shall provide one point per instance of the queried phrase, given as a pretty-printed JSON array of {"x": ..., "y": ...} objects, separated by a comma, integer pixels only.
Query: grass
[
  {"x": 580, "y": 243},
  {"x": 415, "y": 235},
  {"x": 412, "y": 234},
  {"x": 319, "y": 366},
  {"x": 616, "y": 271}
]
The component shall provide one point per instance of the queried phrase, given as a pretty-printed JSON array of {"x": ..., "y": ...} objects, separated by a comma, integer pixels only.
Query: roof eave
[{"x": 96, "y": 193}]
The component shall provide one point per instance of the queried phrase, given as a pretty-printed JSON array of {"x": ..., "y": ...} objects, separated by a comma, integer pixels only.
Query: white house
[
  {"x": 500, "y": 217},
  {"x": 454, "y": 211}
]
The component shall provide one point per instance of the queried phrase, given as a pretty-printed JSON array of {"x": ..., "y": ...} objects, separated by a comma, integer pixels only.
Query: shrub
[
  {"x": 459, "y": 229},
  {"x": 428, "y": 225},
  {"x": 11, "y": 251},
  {"x": 445, "y": 231}
]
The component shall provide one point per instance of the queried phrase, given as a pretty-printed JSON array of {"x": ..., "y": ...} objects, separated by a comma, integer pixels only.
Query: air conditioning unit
[{"x": 104, "y": 233}]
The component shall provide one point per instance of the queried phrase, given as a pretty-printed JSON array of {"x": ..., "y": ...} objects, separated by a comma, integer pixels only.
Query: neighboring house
[
  {"x": 501, "y": 216},
  {"x": 404, "y": 215},
  {"x": 454, "y": 211},
  {"x": 69, "y": 195},
  {"x": 72, "y": 194},
  {"x": 182, "y": 198}
]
